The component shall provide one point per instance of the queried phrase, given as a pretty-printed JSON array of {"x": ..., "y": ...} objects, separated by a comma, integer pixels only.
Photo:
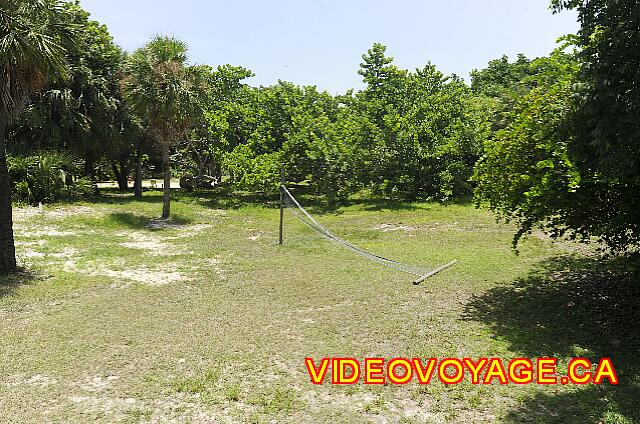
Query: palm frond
[{"x": 32, "y": 38}]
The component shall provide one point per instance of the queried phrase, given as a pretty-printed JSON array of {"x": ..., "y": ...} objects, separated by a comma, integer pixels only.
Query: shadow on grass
[
  {"x": 224, "y": 197},
  {"x": 375, "y": 204},
  {"x": 129, "y": 219},
  {"x": 572, "y": 307},
  {"x": 115, "y": 197},
  {"x": 139, "y": 222},
  {"x": 217, "y": 198},
  {"x": 9, "y": 283}
]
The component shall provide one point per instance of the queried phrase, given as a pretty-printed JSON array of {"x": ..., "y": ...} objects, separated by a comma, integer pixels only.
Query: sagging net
[{"x": 291, "y": 204}]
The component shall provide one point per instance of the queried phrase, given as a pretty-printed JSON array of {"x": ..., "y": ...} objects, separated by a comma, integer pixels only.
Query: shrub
[{"x": 46, "y": 177}]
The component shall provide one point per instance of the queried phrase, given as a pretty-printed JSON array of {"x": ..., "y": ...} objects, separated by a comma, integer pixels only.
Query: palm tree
[
  {"x": 165, "y": 93},
  {"x": 32, "y": 35}
]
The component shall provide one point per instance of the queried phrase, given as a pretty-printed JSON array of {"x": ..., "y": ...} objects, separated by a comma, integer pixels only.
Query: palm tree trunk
[
  {"x": 7, "y": 246},
  {"x": 166, "y": 158},
  {"x": 138, "y": 183}
]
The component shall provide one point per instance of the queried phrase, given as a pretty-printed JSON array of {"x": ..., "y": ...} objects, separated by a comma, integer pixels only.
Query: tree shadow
[
  {"x": 10, "y": 283},
  {"x": 225, "y": 197},
  {"x": 129, "y": 219},
  {"x": 114, "y": 197},
  {"x": 569, "y": 307},
  {"x": 139, "y": 222},
  {"x": 376, "y": 204},
  {"x": 222, "y": 197}
]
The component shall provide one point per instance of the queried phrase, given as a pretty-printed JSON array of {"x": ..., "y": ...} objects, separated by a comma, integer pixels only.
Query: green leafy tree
[
  {"x": 566, "y": 158},
  {"x": 526, "y": 174},
  {"x": 224, "y": 125},
  {"x": 32, "y": 36},
  {"x": 427, "y": 133},
  {"x": 162, "y": 88},
  {"x": 287, "y": 124},
  {"x": 384, "y": 83},
  {"x": 501, "y": 84},
  {"x": 605, "y": 120}
]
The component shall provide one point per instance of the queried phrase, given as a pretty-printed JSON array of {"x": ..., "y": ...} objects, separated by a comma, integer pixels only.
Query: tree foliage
[
  {"x": 526, "y": 174},
  {"x": 47, "y": 177},
  {"x": 564, "y": 154},
  {"x": 605, "y": 121},
  {"x": 406, "y": 134}
]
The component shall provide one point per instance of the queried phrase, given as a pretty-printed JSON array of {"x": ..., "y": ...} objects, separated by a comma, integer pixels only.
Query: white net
[{"x": 290, "y": 203}]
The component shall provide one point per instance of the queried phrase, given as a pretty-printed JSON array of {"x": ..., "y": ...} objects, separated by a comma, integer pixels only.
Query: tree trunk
[
  {"x": 7, "y": 246},
  {"x": 217, "y": 172},
  {"x": 88, "y": 166},
  {"x": 124, "y": 175},
  {"x": 137, "y": 186},
  {"x": 90, "y": 172},
  {"x": 200, "y": 176},
  {"x": 166, "y": 158},
  {"x": 121, "y": 176},
  {"x": 116, "y": 172},
  {"x": 121, "y": 171}
]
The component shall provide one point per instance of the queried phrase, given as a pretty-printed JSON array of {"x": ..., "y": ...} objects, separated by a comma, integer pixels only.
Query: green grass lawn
[{"x": 209, "y": 320}]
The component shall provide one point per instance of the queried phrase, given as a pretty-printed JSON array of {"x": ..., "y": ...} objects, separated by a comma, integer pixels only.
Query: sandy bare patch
[
  {"x": 44, "y": 231},
  {"x": 25, "y": 212},
  {"x": 31, "y": 243},
  {"x": 172, "y": 409},
  {"x": 143, "y": 241},
  {"x": 393, "y": 227},
  {"x": 110, "y": 405},
  {"x": 70, "y": 265},
  {"x": 141, "y": 275},
  {"x": 158, "y": 224},
  {"x": 154, "y": 244},
  {"x": 349, "y": 402},
  {"x": 62, "y": 212},
  {"x": 409, "y": 408},
  {"x": 212, "y": 261},
  {"x": 67, "y": 252},
  {"x": 97, "y": 383},
  {"x": 57, "y": 212},
  {"x": 35, "y": 380},
  {"x": 29, "y": 254},
  {"x": 193, "y": 230}
]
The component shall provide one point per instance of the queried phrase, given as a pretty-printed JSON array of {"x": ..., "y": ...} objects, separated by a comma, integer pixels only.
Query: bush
[
  {"x": 46, "y": 177},
  {"x": 253, "y": 172}
]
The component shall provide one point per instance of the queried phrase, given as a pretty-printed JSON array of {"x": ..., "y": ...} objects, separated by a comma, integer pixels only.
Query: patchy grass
[{"x": 118, "y": 317}]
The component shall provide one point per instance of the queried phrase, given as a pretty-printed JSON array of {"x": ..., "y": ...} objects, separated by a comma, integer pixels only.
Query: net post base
[{"x": 434, "y": 272}]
